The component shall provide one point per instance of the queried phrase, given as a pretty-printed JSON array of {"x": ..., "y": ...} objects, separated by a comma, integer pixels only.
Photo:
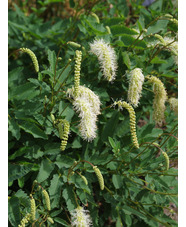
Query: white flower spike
[
  {"x": 87, "y": 126},
  {"x": 106, "y": 57},
  {"x": 136, "y": 79},
  {"x": 80, "y": 217},
  {"x": 88, "y": 94}
]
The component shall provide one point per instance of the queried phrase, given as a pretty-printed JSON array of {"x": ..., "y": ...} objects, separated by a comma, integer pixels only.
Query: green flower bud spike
[
  {"x": 50, "y": 220},
  {"x": 47, "y": 199},
  {"x": 174, "y": 104},
  {"x": 96, "y": 17},
  {"x": 99, "y": 176},
  {"x": 25, "y": 220},
  {"x": 83, "y": 178},
  {"x": 33, "y": 57},
  {"x": 77, "y": 72},
  {"x": 108, "y": 29},
  {"x": 166, "y": 159},
  {"x": 159, "y": 99},
  {"x": 64, "y": 128},
  {"x": 132, "y": 116},
  {"x": 73, "y": 44},
  {"x": 160, "y": 38},
  {"x": 32, "y": 208},
  {"x": 53, "y": 118}
]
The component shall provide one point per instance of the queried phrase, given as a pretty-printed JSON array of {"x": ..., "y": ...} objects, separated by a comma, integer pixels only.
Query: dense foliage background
[{"x": 139, "y": 191}]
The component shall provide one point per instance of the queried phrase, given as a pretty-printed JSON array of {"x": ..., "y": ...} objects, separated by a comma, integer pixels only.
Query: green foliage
[{"x": 138, "y": 188}]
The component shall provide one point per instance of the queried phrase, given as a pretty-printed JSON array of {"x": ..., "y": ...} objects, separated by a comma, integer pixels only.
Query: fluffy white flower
[
  {"x": 107, "y": 58},
  {"x": 136, "y": 79},
  {"x": 87, "y": 126},
  {"x": 80, "y": 217},
  {"x": 91, "y": 97}
]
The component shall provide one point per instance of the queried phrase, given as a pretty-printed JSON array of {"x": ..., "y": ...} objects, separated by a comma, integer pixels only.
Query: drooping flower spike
[
  {"x": 174, "y": 104},
  {"x": 87, "y": 126},
  {"x": 88, "y": 94},
  {"x": 32, "y": 208},
  {"x": 136, "y": 79},
  {"x": 166, "y": 159},
  {"x": 33, "y": 57},
  {"x": 47, "y": 199},
  {"x": 25, "y": 220},
  {"x": 99, "y": 176},
  {"x": 132, "y": 116},
  {"x": 159, "y": 99},
  {"x": 64, "y": 128},
  {"x": 106, "y": 57},
  {"x": 50, "y": 220},
  {"x": 80, "y": 217}
]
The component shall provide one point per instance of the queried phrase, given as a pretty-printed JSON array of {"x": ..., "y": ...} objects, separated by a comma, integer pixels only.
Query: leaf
[
  {"x": 17, "y": 171},
  {"x": 117, "y": 181},
  {"x": 14, "y": 75},
  {"x": 14, "y": 128},
  {"x": 110, "y": 127},
  {"x": 55, "y": 190},
  {"x": 113, "y": 21},
  {"x": 112, "y": 143},
  {"x": 23, "y": 198},
  {"x": 33, "y": 129},
  {"x": 14, "y": 211},
  {"x": 160, "y": 25},
  {"x": 158, "y": 60},
  {"x": 119, "y": 30},
  {"x": 76, "y": 143},
  {"x": 61, "y": 76},
  {"x": 52, "y": 60},
  {"x": 98, "y": 29},
  {"x": 23, "y": 92},
  {"x": 64, "y": 161},
  {"x": 130, "y": 210},
  {"x": 68, "y": 195},
  {"x": 21, "y": 182},
  {"x": 41, "y": 84},
  {"x": 61, "y": 221},
  {"x": 45, "y": 170},
  {"x": 126, "y": 59},
  {"x": 129, "y": 40}
]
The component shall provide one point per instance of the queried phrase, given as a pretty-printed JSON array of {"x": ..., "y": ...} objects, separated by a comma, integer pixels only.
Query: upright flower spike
[
  {"x": 99, "y": 176},
  {"x": 47, "y": 199},
  {"x": 106, "y": 57},
  {"x": 174, "y": 104},
  {"x": 80, "y": 217},
  {"x": 136, "y": 79},
  {"x": 132, "y": 116},
  {"x": 25, "y": 220},
  {"x": 33, "y": 57},
  {"x": 32, "y": 208},
  {"x": 77, "y": 72},
  {"x": 87, "y": 126},
  {"x": 166, "y": 159},
  {"x": 159, "y": 99},
  {"x": 91, "y": 97}
]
